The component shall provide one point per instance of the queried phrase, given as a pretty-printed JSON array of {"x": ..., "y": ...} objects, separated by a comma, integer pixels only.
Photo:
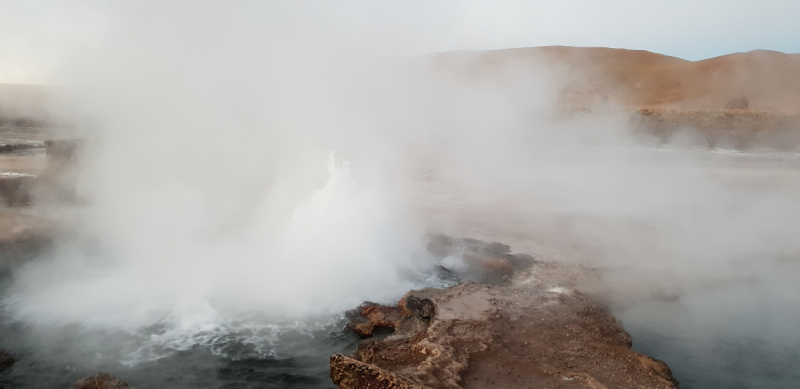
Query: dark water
[
  {"x": 53, "y": 360},
  {"x": 197, "y": 368},
  {"x": 742, "y": 334},
  {"x": 65, "y": 358},
  {"x": 249, "y": 352}
]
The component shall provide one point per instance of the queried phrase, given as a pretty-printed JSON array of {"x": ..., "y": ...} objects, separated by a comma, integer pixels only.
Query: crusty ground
[
  {"x": 102, "y": 381},
  {"x": 730, "y": 129},
  {"x": 532, "y": 331}
]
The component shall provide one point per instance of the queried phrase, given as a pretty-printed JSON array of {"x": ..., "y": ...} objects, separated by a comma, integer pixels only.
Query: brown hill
[{"x": 769, "y": 80}]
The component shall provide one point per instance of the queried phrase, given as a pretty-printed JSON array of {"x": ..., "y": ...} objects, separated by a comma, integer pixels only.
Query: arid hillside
[{"x": 640, "y": 79}]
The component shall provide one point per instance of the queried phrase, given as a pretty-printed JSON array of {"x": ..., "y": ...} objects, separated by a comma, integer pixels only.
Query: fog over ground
[{"x": 285, "y": 161}]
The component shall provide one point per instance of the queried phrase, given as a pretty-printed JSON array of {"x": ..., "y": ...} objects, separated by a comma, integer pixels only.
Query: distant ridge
[{"x": 770, "y": 80}]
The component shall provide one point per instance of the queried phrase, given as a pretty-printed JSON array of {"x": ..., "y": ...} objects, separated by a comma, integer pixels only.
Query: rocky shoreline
[{"x": 534, "y": 329}]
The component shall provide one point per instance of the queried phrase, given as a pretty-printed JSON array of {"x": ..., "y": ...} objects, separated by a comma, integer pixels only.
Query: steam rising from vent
[
  {"x": 343, "y": 244},
  {"x": 252, "y": 165}
]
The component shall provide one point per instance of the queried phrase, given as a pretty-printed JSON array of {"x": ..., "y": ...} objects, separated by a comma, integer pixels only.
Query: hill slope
[{"x": 636, "y": 79}]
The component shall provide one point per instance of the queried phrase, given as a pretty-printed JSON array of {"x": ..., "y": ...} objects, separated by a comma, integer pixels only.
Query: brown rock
[
  {"x": 6, "y": 360},
  {"x": 102, "y": 381},
  {"x": 535, "y": 330},
  {"x": 738, "y": 103},
  {"x": 349, "y": 373},
  {"x": 408, "y": 315}
]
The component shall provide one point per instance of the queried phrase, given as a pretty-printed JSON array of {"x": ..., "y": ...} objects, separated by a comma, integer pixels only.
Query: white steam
[
  {"x": 338, "y": 247},
  {"x": 238, "y": 173},
  {"x": 210, "y": 128}
]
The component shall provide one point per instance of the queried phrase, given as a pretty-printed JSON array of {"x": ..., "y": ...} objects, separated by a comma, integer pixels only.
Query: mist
[
  {"x": 226, "y": 168},
  {"x": 262, "y": 165}
]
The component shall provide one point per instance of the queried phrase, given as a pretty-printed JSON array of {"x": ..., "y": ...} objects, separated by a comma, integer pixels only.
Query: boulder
[
  {"x": 410, "y": 315},
  {"x": 6, "y": 360},
  {"x": 738, "y": 103},
  {"x": 102, "y": 381}
]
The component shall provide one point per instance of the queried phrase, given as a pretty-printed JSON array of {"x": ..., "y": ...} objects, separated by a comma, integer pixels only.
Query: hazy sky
[{"x": 37, "y": 36}]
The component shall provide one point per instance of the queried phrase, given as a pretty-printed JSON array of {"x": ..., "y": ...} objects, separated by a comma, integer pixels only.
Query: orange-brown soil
[
  {"x": 741, "y": 100},
  {"x": 637, "y": 79}
]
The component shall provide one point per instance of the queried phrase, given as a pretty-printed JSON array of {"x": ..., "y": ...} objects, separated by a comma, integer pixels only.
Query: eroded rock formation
[
  {"x": 532, "y": 330},
  {"x": 410, "y": 315},
  {"x": 102, "y": 381}
]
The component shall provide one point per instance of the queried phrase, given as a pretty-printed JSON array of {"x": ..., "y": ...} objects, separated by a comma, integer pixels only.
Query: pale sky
[{"x": 38, "y": 36}]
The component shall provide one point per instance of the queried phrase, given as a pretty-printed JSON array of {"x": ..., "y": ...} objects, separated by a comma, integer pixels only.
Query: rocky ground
[
  {"x": 739, "y": 129},
  {"x": 531, "y": 329},
  {"x": 102, "y": 381}
]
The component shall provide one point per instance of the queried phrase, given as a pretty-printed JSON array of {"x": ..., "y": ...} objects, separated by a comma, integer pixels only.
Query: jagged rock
[
  {"x": 417, "y": 307},
  {"x": 102, "y": 381},
  {"x": 738, "y": 103},
  {"x": 410, "y": 314},
  {"x": 349, "y": 373},
  {"x": 486, "y": 262},
  {"x": 373, "y": 315},
  {"x": 534, "y": 330},
  {"x": 6, "y": 360}
]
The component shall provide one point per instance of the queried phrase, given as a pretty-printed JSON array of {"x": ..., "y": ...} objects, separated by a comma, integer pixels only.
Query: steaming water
[
  {"x": 235, "y": 352},
  {"x": 266, "y": 311},
  {"x": 290, "y": 356},
  {"x": 242, "y": 352},
  {"x": 704, "y": 243},
  {"x": 742, "y": 334},
  {"x": 733, "y": 325}
]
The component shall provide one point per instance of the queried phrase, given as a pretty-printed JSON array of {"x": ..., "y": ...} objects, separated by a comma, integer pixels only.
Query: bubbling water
[{"x": 341, "y": 245}]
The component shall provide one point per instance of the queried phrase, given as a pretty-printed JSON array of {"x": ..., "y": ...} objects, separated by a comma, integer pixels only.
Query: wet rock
[
  {"x": 417, "y": 307},
  {"x": 371, "y": 316},
  {"x": 102, "y": 381},
  {"x": 348, "y": 373},
  {"x": 6, "y": 360},
  {"x": 486, "y": 262},
  {"x": 410, "y": 314},
  {"x": 738, "y": 103}
]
